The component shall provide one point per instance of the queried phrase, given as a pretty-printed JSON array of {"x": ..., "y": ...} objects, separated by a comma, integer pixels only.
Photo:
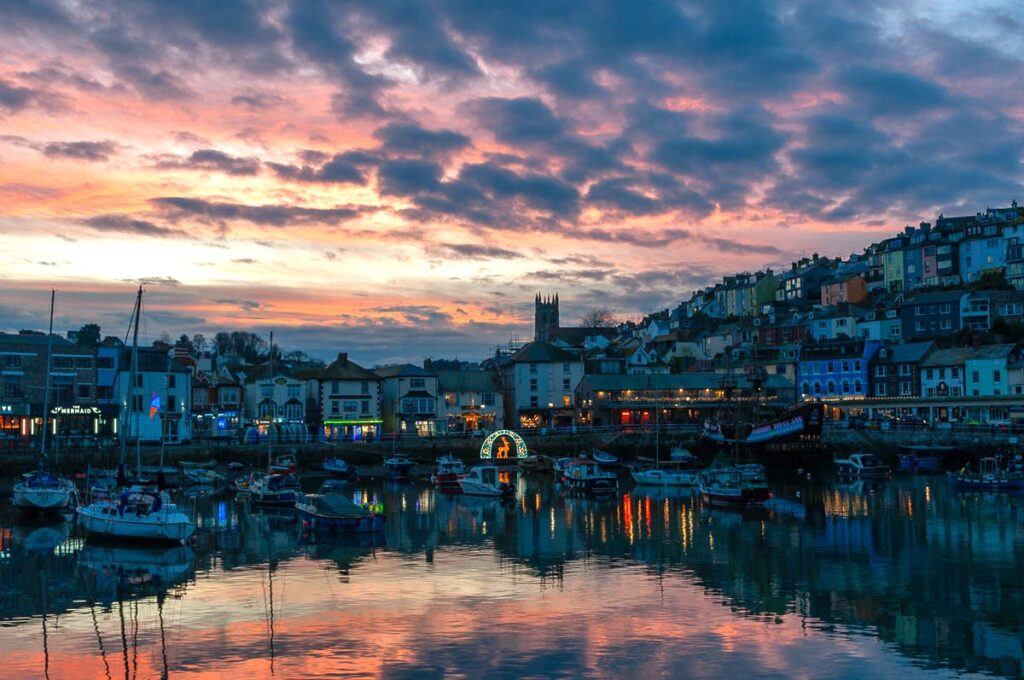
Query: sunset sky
[{"x": 399, "y": 180}]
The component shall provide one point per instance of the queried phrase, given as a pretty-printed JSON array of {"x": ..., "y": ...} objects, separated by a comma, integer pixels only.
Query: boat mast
[
  {"x": 46, "y": 380},
  {"x": 270, "y": 420},
  {"x": 657, "y": 433},
  {"x": 126, "y": 429}
]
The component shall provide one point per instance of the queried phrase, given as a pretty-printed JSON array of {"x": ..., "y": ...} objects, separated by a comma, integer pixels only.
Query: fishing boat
[
  {"x": 449, "y": 471},
  {"x": 559, "y": 467},
  {"x": 336, "y": 513},
  {"x": 273, "y": 490},
  {"x": 988, "y": 477},
  {"x": 41, "y": 491},
  {"x": 588, "y": 477},
  {"x": 139, "y": 513},
  {"x": 605, "y": 459},
  {"x": 485, "y": 480},
  {"x": 338, "y": 466},
  {"x": 861, "y": 465},
  {"x": 793, "y": 440},
  {"x": 398, "y": 467},
  {"x": 737, "y": 486},
  {"x": 283, "y": 465},
  {"x": 923, "y": 457}
]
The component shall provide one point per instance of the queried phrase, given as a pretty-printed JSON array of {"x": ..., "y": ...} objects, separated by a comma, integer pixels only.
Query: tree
[
  {"x": 89, "y": 336},
  {"x": 602, "y": 317},
  {"x": 199, "y": 343}
]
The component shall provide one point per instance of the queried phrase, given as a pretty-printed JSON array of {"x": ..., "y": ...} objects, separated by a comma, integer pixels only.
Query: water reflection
[{"x": 902, "y": 576}]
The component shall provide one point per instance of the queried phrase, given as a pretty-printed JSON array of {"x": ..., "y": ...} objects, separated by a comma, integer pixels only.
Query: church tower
[{"x": 545, "y": 317}]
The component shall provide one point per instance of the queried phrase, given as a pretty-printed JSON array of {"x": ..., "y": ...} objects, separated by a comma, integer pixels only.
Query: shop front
[
  {"x": 16, "y": 423},
  {"x": 77, "y": 425},
  {"x": 222, "y": 425},
  {"x": 352, "y": 429}
]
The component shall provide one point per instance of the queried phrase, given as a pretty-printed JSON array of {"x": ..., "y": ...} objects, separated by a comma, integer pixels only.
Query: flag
[{"x": 154, "y": 405}]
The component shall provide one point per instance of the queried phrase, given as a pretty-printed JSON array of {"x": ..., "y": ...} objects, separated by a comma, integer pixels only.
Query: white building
[
  {"x": 540, "y": 385},
  {"x": 350, "y": 401},
  {"x": 471, "y": 401},
  {"x": 157, "y": 380},
  {"x": 410, "y": 400}
]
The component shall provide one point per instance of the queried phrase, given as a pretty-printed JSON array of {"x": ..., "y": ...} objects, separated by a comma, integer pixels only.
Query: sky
[{"x": 400, "y": 179}]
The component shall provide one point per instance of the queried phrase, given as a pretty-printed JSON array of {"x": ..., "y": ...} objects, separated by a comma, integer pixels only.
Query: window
[
  {"x": 880, "y": 371},
  {"x": 11, "y": 361},
  {"x": 417, "y": 382},
  {"x": 846, "y": 387},
  {"x": 533, "y": 369},
  {"x": 918, "y": 326},
  {"x": 946, "y": 324},
  {"x": 846, "y": 367},
  {"x": 62, "y": 362},
  {"x": 905, "y": 370},
  {"x": 817, "y": 387},
  {"x": 831, "y": 367},
  {"x": 335, "y": 407},
  {"x": 364, "y": 387},
  {"x": 352, "y": 406},
  {"x": 955, "y": 372},
  {"x": 533, "y": 384},
  {"x": 104, "y": 362},
  {"x": 831, "y": 387},
  {"x": 880, "y": 389},
  {"x": 533, "y": 402},
  {"x": 805, "y": 388},
  {"x": 364, "y": 407},
  {"x": 918, "y": 311},
  {"x": 335, "y": 387},
  {"x": 566, "y": 368},
  {"x": 930, "y": 373},
  {"x": 975, "y": 376},
  {"x": 266, "y": 391},
  {"x": 171, "y": 403},
  {"x": 956, "y": 391},
  {"x": 293, "y": 391},
  {"x": 566, "y": 384},
  {"x": 856, "y": 365},
  {"x": 996, "y": 376},
  {"x": 905, "y": 388},
  {"x": 172, "y": 381},
  {"x": 858, "y": 386},
  {"x": 945, "y": 308},
  {"x": 942, "y": 373},
  {"x": 488, "y": 398},
  {"x": 138, "y": 380}
]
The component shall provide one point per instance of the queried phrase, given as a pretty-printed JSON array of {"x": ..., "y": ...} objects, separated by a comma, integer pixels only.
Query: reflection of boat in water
[
  {"x": 398, "y": 467},
  {"x": 138, "y": 567},
  {"x": 449, "y": 470},
  {"x": 40, "y": 539},
  {"x": 667, "y": 477},
  {"x": 586, "y": 476},
  {"x": 924, "y": 457},
  {"x": 662, "y": 492}
]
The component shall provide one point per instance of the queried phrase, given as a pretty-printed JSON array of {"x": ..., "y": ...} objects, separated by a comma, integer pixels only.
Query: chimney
[{"x": 343, "y": 358}]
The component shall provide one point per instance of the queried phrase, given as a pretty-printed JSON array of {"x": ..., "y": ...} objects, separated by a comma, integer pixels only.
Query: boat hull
[
  {"x": 281, "y": 499},
  {"x": 41, "y": 500},
  {"x": 735, "y": 498},
  {"x": 128, "y": 527},
  {"x": 666, "y": 477},
  {"x": 472, "y": 488}
]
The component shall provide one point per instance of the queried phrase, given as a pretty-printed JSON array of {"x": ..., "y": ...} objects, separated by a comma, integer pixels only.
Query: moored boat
[
  {"x": 535, "y": 463},
  {"x": 138, "y": 513},
  {"x": 988, "y": 476},
  {"x": 338, "y": 466},
  {"x": 273, "y": 489},
  {"x": 738, "y": 486},
  {"x": 861, "y": 465},
  {"x": 485, "y": 480},
  {"x": 605, "y": 459},
  {"x": 559, "y": 466},
  {"x": 398, "y": 467},
  {"x": 586, "y": 476},
  {"x": 667, "y": 477},
  {"x": 42, "y": 492},
  {"x": 285, "y": 464},
  {"x": 449, "y": 470},
  {"x": 336, "y": 513}
]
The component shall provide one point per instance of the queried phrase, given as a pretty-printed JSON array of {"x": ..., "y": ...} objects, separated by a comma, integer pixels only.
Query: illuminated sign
[
  {"x": 281, "y": 381},
  {"x": 6, "y": 408},
  {"x": 75, "y": 410},
  {"x": 500, "y": 445}
]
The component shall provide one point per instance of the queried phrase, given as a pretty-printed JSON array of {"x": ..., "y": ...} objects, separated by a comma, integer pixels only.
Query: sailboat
[
  {"x": 659, "y": 476},
  {"x": 139, "y": 512},
  {"x": 40, "y": 491},
  {"x": 273, "y": 488}
]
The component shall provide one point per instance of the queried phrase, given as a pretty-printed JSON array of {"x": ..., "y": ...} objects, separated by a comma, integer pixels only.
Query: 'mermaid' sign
[{"x": 503, "y": 444}]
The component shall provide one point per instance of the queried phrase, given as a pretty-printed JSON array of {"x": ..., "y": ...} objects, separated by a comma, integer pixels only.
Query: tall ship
[{"x": 790, "y": 440}]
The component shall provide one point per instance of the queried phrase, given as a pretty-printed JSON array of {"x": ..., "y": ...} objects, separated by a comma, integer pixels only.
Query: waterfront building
[
  {"x": 539, "y": 382},
  {"x": 217, "y": 407},
  {"x": 836, "y": 369},
  {"x": 844, "y": 289},
  {"x": 277, "y": 397},
  {"x": 471, "y": 401},
  {"x": 160, "y": 383},
  {"x": 979, "y": 309},
  {"x": 894, "y": 371},
  {"x": 930, "y": 315},
  {"x": 409, "y": 400},
  {"x": 350, "y": 400}
]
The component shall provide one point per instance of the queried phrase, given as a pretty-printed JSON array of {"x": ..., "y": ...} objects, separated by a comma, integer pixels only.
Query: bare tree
[{"x": 602, "y": 317}]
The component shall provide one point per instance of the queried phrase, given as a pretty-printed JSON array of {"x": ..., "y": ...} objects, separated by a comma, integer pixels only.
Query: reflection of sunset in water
[{"x": 545, "y": 586}]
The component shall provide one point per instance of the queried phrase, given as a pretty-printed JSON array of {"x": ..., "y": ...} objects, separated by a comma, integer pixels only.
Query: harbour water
[{"x": 901, "y": 578}]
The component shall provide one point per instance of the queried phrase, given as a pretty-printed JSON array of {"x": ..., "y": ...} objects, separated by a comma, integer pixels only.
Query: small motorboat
[
  {"x": 663, "y": 476},
  {"x": 139, "y": 513},
  {"x": 861, "y": 465},
  {"x": 736, "y": 486},
  {"x": 339, "y": 467},
  {"x": 333, "y": 486},
  {"x": 398, "y": 467},
  {"x": 449, "y": 471},
  {"x": 283, "y": 465},
  {"x": 605, "y": 459},
  {"x": 587, "y": 476},
  {"x": 682, "y": 456},
  {"x": 200, "y": 473},
  {"x": 336, "y": 513},
  {"x": 273, "y": 490},
  {"x": 988, "y": 477},
  {"x": 236, "y": 466},
  {"x": 41, "y": 492},
  {"x": 485, "y": 480}
]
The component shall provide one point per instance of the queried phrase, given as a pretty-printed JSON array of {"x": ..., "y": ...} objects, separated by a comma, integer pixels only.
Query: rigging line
[
  {"x": 135, "y": 640},
  {"x": 124, "y": 635}
]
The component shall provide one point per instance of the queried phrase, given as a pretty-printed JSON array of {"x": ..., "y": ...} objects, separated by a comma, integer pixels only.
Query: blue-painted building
[
  {"x": 930, "y": 315},
  {"x": 836, "y": 368}
]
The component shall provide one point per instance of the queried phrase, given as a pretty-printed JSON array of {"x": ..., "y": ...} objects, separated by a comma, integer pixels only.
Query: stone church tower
[{"x": 545, "y": 317}]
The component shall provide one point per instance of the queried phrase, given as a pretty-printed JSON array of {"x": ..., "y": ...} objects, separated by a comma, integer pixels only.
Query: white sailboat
[
  {"x": 659, "y": 476},
  {"x": 140, "y": 512},
  {"x": 41, "y": 491}
]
